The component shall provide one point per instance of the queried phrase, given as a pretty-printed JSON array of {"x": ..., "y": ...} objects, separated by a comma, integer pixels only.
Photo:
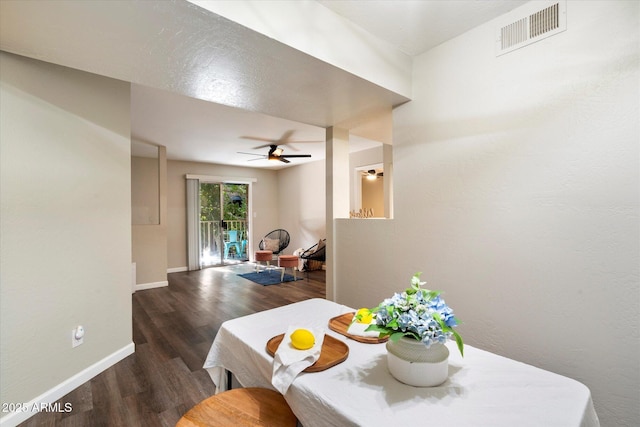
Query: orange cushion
[
  {"x": 287, "y": 261},
  {"x": 264, "y": 255}
]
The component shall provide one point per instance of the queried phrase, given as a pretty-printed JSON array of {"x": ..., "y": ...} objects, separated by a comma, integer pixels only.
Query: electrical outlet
[{"x": 77, "y": 336}]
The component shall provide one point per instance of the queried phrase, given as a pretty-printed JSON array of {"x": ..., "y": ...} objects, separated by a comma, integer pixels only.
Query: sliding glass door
[{"x": 223, "y": 223}]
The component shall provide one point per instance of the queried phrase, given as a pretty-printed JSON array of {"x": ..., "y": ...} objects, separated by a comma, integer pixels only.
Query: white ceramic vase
[{"x": 412, "y": 363}]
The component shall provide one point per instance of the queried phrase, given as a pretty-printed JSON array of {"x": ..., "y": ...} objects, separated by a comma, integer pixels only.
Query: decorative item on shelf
[
  {"x": 418, "y": 322},
  {"x": 362, "y": 213}
]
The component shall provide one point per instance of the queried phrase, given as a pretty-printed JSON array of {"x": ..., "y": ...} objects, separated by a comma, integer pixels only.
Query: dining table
[{"x": 482, "y": 388}]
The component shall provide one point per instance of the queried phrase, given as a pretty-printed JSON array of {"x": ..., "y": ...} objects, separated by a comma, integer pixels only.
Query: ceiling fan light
[{"x": 278, "y": 151}]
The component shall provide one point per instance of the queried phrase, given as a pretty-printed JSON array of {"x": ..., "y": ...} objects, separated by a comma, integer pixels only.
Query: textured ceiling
[
  {"x": 412, "y": 26},
  {"x": 257, "y": 86},
  {"x": 196, "y": 130},
  {"x": 415, "y": 26}
]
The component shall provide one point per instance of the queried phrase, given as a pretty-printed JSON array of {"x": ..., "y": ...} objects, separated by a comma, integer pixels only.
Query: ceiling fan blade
[
  {"x": 289, "y": 144},
  {"x": 262, "y": 146},
  {"x": 279, "y": 158},
  {"x": 275, "y": 152},
  {"x": 284, "y": 139},
  {"x": 257, "y": 156},
  {"x": 257, "y": 138}
]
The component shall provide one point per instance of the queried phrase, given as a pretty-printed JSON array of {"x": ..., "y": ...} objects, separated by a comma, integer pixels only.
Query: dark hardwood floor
[{"x": 173, "y": 328}]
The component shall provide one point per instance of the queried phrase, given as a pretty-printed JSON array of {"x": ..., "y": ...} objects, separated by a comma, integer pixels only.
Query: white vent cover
[{"x": 529, "y": 24}]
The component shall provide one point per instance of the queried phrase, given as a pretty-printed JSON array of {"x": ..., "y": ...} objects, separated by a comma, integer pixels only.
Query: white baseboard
[
  {"x": 45, "y": 400},
  {"x": 152, "y": 285},
  {"x": 177, "y": 269}
]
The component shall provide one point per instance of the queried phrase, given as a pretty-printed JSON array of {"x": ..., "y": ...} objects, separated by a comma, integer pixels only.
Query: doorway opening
[
  {"x": 369, "y": 192},
  {"x": 224, "y": 231}
]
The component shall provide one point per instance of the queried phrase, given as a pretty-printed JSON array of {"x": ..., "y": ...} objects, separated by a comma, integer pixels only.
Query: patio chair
[
  {"x": 315, "y": 256},
  {"x": 233, "y": 241},
  {"x": 276, "y": 241}
]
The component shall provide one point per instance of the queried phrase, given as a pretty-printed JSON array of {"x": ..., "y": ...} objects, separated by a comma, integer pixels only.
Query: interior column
[{"x": 337, "y": 197}]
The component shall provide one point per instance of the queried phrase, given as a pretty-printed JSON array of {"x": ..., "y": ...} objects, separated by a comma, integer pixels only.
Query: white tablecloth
[{"x": 483, "y": 389}]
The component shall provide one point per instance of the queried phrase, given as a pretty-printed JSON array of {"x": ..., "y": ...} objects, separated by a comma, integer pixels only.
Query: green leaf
[
  {"x": 433, "y": 294},
  {"x": 436, "y": 316},
  {"x": 396, "y": 336},
  {"x": 459, "y": 342},
  {"x": 412, "y": 335},
  {"x": 446, "y": 328}
]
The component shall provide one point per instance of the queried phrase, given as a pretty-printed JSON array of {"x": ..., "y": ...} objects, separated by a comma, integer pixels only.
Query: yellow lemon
[
  {"x": 302, "y": 339},
  {"x": 364, "y": 315}
]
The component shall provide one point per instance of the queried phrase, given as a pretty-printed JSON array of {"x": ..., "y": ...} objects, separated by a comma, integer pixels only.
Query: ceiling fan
[
  {"x": 372, "y": 174},
  {"x": 275, "y": 151}
]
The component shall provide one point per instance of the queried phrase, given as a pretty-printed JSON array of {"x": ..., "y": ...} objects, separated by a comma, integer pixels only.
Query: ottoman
[{"x": 288, "y": 261}]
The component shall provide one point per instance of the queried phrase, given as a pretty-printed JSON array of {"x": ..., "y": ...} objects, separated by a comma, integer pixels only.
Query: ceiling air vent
[{"x": 529, "y": 24}]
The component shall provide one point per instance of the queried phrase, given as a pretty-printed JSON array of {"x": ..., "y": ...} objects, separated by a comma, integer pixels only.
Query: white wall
[
  {"x": 149, "y": 241},
  {"x": 361, "y": 159},
  {"x": 145, "y": 191},
  {"x": 65, "y": 259},
  {"x": 517, "y": 194},
  {"x": 373, "y": 196},
  {"x": 302, "y": 204}
]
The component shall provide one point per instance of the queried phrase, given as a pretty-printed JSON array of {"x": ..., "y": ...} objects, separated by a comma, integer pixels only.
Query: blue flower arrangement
[{"x": 418, "y": 314}]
